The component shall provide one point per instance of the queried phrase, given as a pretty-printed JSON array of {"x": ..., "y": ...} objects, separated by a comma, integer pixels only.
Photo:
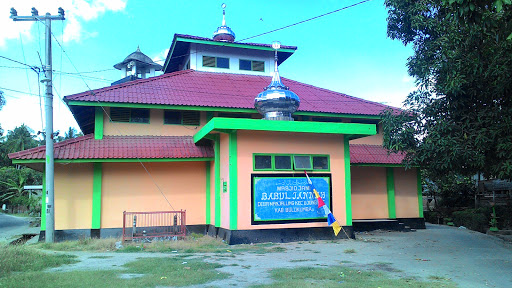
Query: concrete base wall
[
  {"x": 234, "y": 237},
  {"x": 75, "y": 234}
]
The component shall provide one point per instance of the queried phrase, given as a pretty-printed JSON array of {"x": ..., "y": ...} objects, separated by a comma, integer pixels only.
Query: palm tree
[
  {"x": 19, "y": 139},
  {"x": 72, "y": 133},
  {"x": 15, "y": 188}
]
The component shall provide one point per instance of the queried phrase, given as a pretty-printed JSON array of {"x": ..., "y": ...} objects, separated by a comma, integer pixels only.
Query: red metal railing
[{"x": 144, "y": 225}]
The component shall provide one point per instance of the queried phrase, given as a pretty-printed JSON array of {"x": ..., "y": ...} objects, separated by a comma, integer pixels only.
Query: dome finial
[
  {"x": 277, "y": 102},
  {"x": 276, "y": 79},
  {"x": 223, "y": 14},
  {"x": 224, "y": 33}
]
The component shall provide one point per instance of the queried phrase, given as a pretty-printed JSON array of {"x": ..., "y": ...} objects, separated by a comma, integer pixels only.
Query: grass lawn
[
  {"x": 23, "y": 267},
  {"x": 194, "y": 243},
  {"x": 343, "y": 277},
  {"x": 22, "y": 259}
]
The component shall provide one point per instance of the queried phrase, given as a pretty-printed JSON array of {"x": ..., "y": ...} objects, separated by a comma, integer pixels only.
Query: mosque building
[{"x": 222, "y": 137}]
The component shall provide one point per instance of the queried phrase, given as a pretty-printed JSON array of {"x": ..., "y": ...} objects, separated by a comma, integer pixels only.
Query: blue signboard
[{"x": 288, "y": 199}]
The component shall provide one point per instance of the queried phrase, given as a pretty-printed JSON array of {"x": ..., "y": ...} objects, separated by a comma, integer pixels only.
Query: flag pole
[{"x": 319, "y": 198}]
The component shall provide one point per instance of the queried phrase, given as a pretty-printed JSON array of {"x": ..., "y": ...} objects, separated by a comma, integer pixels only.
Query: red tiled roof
[
  {"x": 209, "y": 89},
  {"x": 121, "y": 147},
  {"x": 373, "y": 154}
]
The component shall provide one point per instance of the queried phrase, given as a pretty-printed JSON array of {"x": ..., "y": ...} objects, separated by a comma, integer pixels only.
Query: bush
[
  {"x": 474, "y": 219},
  {"x": 504, "y": 214},
  {"x": 433, "y": 217}
]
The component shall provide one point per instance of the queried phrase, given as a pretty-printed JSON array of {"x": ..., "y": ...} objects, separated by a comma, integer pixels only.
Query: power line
[
  {"x": 18, "y": 91},
  {"x": 307, "y": 20},
  {"x": 278, "y": 29},
  {"x": 21, "y": 63}
]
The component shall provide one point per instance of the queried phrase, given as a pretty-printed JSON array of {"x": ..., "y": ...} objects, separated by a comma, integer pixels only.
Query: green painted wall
[
  {"x": 96, "y": 195},
  {"x": 348, "y": 182},
  {"x": 390, "y": 184},
  {"x": 208, "y": 196},
  {"x": 233, "y": 181},
  {"x": 43, "y": 204},
  {"x": 98, "y": 123},
  {"x": 420, "y": 193},
  {"x": 216, "y": 148}
]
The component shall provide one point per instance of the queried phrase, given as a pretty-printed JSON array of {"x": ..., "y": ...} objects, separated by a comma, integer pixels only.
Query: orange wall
[
  {"x": 376, "y": 139},
  {"x": 73, "y": 196},
  {"x": 250, "y": 142},
  {"x": 406, "y": 193},
  {"x": 156, "y": 126},
  {"x": 369, "y": 193},
  {"x": 127, "y": 187}
]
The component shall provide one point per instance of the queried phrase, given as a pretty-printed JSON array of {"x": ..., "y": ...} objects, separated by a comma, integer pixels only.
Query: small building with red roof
[{"x": 223, "y": 137}]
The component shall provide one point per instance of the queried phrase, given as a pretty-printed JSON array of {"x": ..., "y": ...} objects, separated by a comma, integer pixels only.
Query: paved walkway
[{"x": 469, "y": 258}]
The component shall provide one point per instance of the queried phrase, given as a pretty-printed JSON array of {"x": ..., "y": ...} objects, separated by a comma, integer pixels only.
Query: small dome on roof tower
[
  {"x": 139, "y": 57},
  {"x": 137, "y": 65},
  {"x": 277, "y": 102},
  {"x": 224, "y": 33}
]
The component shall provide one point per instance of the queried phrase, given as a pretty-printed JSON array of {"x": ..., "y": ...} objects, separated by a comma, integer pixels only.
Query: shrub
[{"x": 474, "y": 219}]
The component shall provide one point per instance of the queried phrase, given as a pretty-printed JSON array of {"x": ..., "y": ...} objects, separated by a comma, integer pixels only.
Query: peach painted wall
[
  {"x": 406, "y": 193},
  {"x": 156, "y": 126},
  {"x": 250, "y": 142},
  {"x": 224, "y": 177},
  {"x": 127, "y": 186},
  {"x": 73, "y": 196},
  {"x": 376, "y": 139},
  {"x": 369, "y": 193}
]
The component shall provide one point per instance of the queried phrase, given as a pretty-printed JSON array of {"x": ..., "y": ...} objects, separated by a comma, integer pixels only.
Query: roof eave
[{"x": 230, "y": 124}]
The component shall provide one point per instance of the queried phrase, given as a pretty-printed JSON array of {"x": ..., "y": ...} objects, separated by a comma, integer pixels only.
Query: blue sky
[{"x": 347, "y": 51}]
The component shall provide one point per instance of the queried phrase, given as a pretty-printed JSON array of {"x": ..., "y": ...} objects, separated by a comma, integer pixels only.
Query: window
[
  {"x": 320, "y": 163},
  {"x": 280, "y": 162},
  {"x": 326, "y": 119},
  {"x": 219, "y": 62},
  {"x": 235, "y": 115},
  {"x": 283, "y": 162},
  {"x": 191, "y": 118},
  {"x": 302, "y": 162},
  {"x": 129, "y": 115},
  {"x": 262, "y": 162},
  {"x": 250, "y": 65}
]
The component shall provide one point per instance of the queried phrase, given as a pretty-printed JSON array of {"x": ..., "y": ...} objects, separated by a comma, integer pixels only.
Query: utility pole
[{"x": 48, "y": 104}]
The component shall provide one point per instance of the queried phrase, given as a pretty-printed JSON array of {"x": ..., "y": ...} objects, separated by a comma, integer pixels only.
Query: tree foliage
[
  {"x": 459, "y": 120},
  {"x": 2, "y": 103}
]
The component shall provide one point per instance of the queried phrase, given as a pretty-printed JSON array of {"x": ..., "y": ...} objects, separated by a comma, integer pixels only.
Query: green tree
[
  {"x": 459, "y": 119},
  {"x": 19, "y": 139},
  {"x": 2, "y": 103},
  {"x": 72, "y": 133},
  {"x": 12, "y": 185}
]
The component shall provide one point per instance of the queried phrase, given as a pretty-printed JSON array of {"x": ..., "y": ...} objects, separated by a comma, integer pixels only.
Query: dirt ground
[{"x": 470, "y": 259}]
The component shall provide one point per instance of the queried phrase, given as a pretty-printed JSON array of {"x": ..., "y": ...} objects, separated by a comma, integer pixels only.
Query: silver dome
[
  {"x": 277, "y": 102},
  {"x": 224, "y": 33}
]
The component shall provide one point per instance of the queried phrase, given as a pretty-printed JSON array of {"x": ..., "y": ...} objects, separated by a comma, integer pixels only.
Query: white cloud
[
  {"x": 160, "y": 57},
  {"x": 77, "y": 12}
]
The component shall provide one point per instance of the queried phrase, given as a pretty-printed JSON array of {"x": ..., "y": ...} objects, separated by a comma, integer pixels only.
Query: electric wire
[
  {"x": 117, "y": 128},
  {"x": 277, "y": 29},
  {"x": 18, "y": 91}
]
